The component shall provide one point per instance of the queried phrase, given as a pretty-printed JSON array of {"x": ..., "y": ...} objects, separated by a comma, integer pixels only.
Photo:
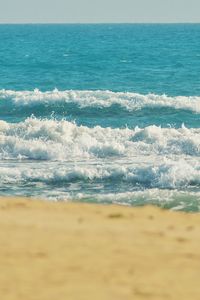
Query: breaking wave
[
  {"x": 62, "y": 140},
  {"x": 100, "y": 99},
  {"x": 165, "y": 174}
]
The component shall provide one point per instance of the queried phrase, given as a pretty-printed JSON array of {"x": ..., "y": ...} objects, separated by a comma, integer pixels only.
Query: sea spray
[{"x": 42, "y": 139}]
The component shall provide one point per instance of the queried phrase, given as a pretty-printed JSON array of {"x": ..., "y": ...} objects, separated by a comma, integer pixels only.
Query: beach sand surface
[{"x": 79, "y": 251}]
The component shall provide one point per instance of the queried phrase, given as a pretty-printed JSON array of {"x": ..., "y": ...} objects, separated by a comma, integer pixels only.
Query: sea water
[{"x": 101, "y": 113}]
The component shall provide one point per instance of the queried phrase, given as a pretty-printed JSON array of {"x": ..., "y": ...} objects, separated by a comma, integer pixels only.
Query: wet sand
[{"x": 78, "y": 251}]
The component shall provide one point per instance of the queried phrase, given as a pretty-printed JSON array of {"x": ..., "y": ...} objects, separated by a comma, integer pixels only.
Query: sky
[{"x": 99, "y": 11}]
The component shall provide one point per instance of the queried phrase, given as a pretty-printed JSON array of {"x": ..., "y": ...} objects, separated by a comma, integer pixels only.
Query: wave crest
[
  {"x": 62, "y": 140},
  {"x": 101, "y": 99},
  {"x": 166, "y": 174}
]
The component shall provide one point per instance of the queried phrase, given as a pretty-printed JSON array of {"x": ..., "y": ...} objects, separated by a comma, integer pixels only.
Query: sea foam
[
  {"x": 62, "y": 140},
  {"x": 164, "y": 174},
  {"x": 101, "y": 99}
]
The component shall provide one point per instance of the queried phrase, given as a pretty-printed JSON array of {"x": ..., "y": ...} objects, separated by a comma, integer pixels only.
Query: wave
[
  {"x": 100, "y": 99},
  {"x": 166, "y": 174},
  {"x": 166, "y": 198},
  {"x": 62, "y": 140},
  {"x": 60, "y": 160}
]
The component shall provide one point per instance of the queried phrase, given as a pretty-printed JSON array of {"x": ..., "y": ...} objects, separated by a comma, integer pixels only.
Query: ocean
[{"x": 101, "y": 113}]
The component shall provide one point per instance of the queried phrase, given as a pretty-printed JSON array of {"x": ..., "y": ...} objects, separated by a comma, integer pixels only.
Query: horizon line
[{"x": 98, "y": 23}]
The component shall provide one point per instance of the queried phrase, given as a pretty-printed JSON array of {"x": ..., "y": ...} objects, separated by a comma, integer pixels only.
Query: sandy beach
[{"x": 85, "y": 251}]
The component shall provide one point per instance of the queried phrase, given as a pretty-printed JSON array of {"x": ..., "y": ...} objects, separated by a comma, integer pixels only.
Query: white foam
[
  {"x": 154, "y": 195},
  {"x": 129, "y": 101},
  {"x": 173, "y": 198},
  {"x": 62, "y": 140},
  {"x": 164, "y": 174}
]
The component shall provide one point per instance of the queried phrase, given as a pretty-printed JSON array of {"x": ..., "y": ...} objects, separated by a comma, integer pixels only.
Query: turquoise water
[{"x": 101, "y": 113}]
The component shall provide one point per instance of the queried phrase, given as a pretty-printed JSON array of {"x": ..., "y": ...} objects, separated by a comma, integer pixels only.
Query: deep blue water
[
  {"x": 138, "y": 58},
  {"x": 103, "y": 113}
]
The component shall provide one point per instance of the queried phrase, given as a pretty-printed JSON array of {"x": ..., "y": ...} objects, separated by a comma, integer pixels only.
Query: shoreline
[{"x": 92, "y": 251}]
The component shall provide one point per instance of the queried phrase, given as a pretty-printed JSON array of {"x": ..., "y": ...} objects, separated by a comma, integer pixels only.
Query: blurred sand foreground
[{"x": 80, "y": 251}]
